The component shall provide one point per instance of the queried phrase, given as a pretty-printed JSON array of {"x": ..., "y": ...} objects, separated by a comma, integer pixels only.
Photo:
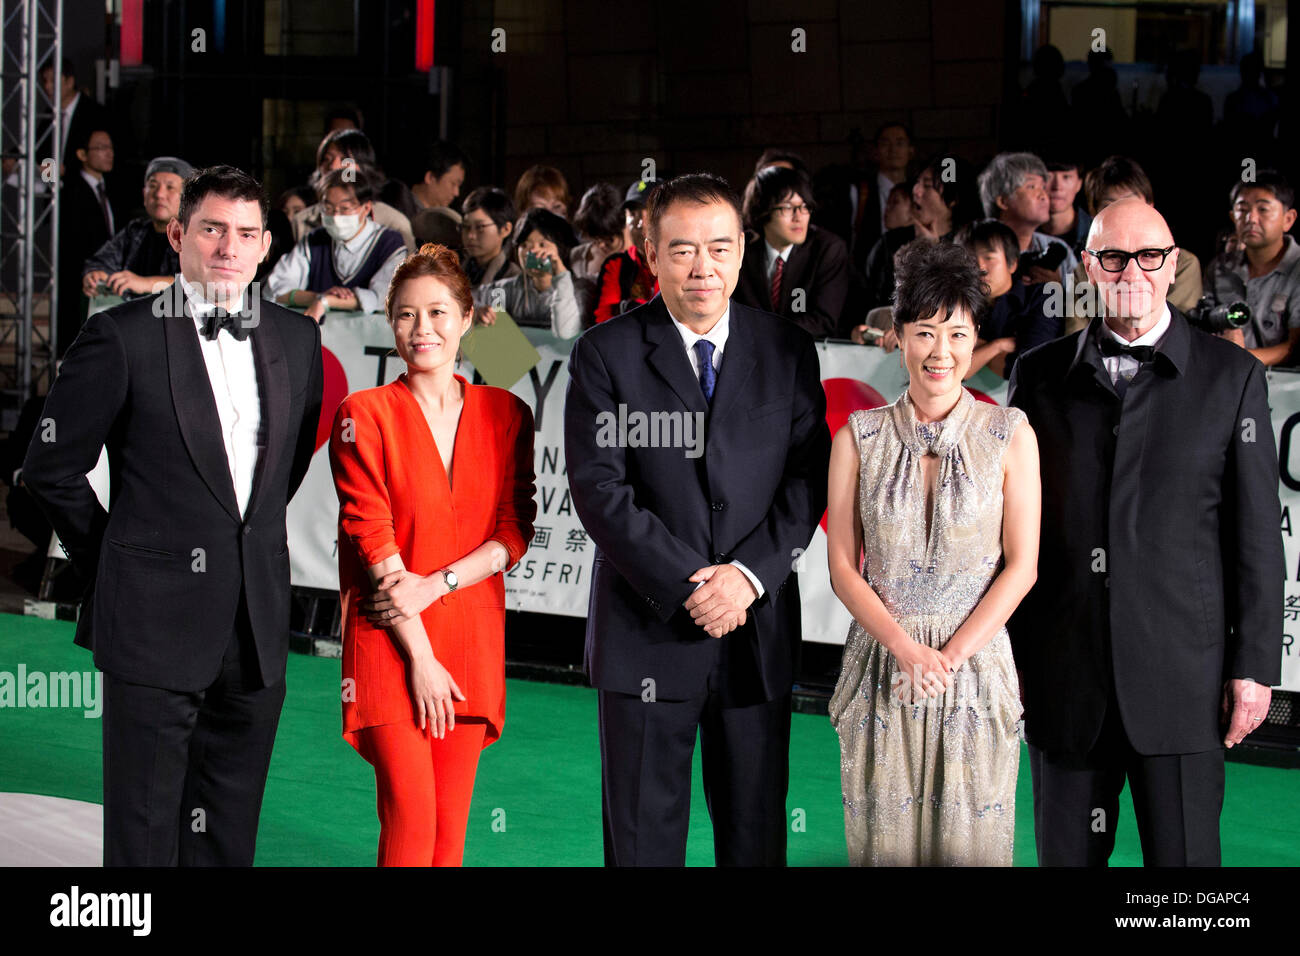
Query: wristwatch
[{"x": 450, "y": 577}]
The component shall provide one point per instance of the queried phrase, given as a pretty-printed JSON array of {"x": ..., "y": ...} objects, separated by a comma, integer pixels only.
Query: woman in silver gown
[{"x": 939, "y": 495}]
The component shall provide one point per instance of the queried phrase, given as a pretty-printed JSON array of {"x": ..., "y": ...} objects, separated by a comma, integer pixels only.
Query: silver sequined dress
[{"x": 932, "y": 783}]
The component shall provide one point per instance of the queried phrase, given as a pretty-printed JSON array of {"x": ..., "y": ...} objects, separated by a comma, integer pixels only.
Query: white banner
[{"x": 553, "y": 577}]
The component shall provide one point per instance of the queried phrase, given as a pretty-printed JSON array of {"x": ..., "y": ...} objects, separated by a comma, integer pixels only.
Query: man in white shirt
[{"x": 207, "y": 400}]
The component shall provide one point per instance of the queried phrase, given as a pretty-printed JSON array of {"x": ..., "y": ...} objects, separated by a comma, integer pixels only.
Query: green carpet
[{"x": 537, "y": 799}]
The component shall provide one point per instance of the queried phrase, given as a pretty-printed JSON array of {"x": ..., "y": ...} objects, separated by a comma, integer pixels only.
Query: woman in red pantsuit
[{"x": 435, "y": 484}]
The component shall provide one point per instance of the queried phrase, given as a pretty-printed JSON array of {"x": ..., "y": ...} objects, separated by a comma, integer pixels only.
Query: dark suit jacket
[
  {"x": 1160, "y": 570},
  {"x": 88, "y": 116},
  {"x": 755, "y": 494},
  {"x": 161, "y": 611},
  {"x": 81, "y": 226},
  {"x": 819, "y": 266}
]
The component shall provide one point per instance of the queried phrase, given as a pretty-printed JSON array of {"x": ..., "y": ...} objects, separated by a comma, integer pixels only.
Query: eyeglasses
[
  {"x": 342, "y": 209},
  {"x": 787, "y": 211},
  {"x": 475, "y": 228},
  {"x": 1117, "y": 260}
]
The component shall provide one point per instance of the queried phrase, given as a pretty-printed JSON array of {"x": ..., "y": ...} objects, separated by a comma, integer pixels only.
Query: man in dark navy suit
[
  {"x": 694, "y": 616},
  {"x": 207, "y": 400}
]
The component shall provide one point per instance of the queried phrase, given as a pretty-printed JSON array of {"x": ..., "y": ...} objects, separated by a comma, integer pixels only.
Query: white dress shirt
[
  {"x": 94, "y": 185},
  {"x": 1127, "y": 365},
  {"x": 718, "y": 336},
  {"x": 232, "y": 372},
  {"x": 293, "y": 268},
  {"x": 772, "y": 256},
  {"x": 884, "y": 186}
]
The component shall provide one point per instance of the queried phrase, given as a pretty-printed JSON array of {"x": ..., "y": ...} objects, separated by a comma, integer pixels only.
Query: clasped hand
[
  {"x": 400, "y": 596},
  {"x": 719, "y": 605},
  {"x": 923, "y": 671}
]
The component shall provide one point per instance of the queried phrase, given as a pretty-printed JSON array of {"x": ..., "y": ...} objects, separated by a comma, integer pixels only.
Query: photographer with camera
[
  {"x": 1262, "y": 270},
  {"x": 1013, "y": 189},
  {"x": 543, "y": 294}
]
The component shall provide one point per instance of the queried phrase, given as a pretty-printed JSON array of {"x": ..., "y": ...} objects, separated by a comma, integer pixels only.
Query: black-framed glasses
[{"x": 1117, "y": 260}]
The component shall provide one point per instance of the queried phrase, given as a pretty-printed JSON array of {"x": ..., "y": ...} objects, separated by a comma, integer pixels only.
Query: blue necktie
[{"x": 708, "y": 377}]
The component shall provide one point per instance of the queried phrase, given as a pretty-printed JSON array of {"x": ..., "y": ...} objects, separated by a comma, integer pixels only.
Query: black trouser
[
  {"x": 184, "y": 773},
  {"x": 646, "y": 750},
  {"x": 1177, "y": 799}
]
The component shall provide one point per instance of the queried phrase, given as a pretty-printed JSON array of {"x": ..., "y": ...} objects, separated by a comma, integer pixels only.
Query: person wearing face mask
[
  {"x": 941, "y": 493},
  {"x": 348, "y": 262},
  {"x": 435, "y": 484},
  {"x": 543, "y": 294},
  {"x": 1153, "y": 636},
  {"x": 351, "y": 147}
]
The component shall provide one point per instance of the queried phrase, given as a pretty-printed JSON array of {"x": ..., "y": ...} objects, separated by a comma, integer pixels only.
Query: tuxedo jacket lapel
[
  {"x": 196, "y": 407},
  {"x": 667, "y": 355},
  {"x": 273, "y": 389}
]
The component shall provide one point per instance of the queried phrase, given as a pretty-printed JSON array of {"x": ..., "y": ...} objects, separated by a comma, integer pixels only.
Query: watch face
[{"x": 451, "y": 580}]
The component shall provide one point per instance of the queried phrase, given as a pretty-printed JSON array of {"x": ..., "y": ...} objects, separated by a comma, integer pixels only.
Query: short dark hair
[
  {"x": 698, "y": 188},
  {"x": 358, "y": 179},
  {"x": 1061, "y": 164},
  {"x": 936, "y": 278},
  {"x": 774, "y": 154},
  {"x": 352, "y": 143},
  {"x": 768, "y": 188},
  {"x": 552, "y": 227},
  {"x": 66, "y": 67},
  {"x": 960, "y": 190},
  {"x": 442, "y": 156},
  {"x": 224, "y": 181},
  {"x": 83, "y": 141},
  {"x": 1271, "y": 180},
  {"x": 892, "y": 124},
  {"x": 600, "y": 213},
  {"x": 993, "y": 233},
  {"x": 1116, "y": 172},
  {"x": 349, "y": 113},
  {"x": 494, "y": 202}
]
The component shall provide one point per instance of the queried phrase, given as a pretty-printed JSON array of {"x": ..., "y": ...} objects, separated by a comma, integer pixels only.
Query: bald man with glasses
[{"x": 1154, "y": 632}]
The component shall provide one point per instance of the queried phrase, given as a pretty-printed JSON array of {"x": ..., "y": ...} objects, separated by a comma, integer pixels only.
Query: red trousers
[{"x": 423, "y": 787}]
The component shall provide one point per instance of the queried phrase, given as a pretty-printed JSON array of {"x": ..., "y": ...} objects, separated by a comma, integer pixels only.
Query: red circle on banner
[
  {"x": 336, "y": 389},
  {"x": 844, "y": 396}
]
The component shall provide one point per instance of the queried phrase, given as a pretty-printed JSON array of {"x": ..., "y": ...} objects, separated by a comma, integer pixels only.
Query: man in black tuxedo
[
  {"x": 207, "y": 399},
  {"x": 1154, "y": 632},
  {"x": 699, "y": 507},
  {"x": 793, "y": 268}
]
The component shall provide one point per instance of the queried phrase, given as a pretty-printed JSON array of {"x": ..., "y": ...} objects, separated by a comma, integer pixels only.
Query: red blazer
[{"x": 394, "y": 498}]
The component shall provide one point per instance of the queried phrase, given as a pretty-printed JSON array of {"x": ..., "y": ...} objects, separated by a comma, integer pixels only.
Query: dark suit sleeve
[
  {"x": 829, "y": 287},
  {"x": 770, "y": 549},
  {"x": 79, "y": 413},
  {"x": 306, "y": 444},
  {"x": 652, "y": 560},
  {"x": 1253, "y": 558},
  {"x": 111, "y": 256}
]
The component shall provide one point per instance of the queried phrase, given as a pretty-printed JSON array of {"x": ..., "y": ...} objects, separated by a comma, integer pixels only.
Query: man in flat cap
[{"x": 139, "y": 260}]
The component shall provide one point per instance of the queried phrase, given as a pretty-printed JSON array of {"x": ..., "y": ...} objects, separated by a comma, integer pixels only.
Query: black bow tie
[
  {"x": 214, "y": 322},
  {"x": 1110, "y": 349}
]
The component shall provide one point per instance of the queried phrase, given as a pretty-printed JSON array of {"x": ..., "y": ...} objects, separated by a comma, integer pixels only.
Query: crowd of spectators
[{"x": 820, "y": 245}]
